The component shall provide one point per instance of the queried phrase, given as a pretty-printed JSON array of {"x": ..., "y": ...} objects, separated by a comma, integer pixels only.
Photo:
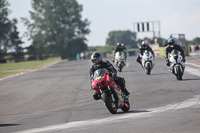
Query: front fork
[
  {"x": 110, "y": 92},
  {"x": 174, "y": 68},
  {"x": 112, "y": 96}
]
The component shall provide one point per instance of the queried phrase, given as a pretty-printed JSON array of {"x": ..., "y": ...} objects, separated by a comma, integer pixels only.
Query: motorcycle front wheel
[
  {"x": 111, "y": 105},
  {"x": 179, "y": 73},
  {"x": 120, "y": 69},
  {"x": 148, "y": 69},
  {"x": 120, "y": 65}
]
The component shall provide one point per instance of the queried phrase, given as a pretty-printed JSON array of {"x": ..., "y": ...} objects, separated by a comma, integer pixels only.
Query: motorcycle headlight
[
  {"x": 98, "y": 85},
  {"x": 103, "y": 82}
]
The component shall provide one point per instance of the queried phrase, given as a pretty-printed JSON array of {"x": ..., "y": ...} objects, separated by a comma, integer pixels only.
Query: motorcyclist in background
[
  {"x": 120, "y": 48},
  {"x": 98, "y": 63},
  {"x": 171, "y": 45},
  {"x": 144, "y": 46}
]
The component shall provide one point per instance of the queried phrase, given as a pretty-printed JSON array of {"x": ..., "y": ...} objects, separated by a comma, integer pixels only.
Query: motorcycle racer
[
  {"x": 144, "y": 46},
  {"x": 120, "y": 48},
  {"x": 171, "y": 45},
  {"x": 97, "y": 61}
]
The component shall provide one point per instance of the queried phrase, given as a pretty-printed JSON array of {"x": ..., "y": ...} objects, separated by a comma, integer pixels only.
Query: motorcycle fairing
[{"x": 103, "y": 81}]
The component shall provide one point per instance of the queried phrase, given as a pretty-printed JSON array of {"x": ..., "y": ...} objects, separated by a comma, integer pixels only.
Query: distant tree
[
  {"x": 160, "y": 41},
  {"x": 144, "y": 39},
  {"x": 31, "y": 52},
  {"x": 127, "y": 37},
  {"x": 196, "y": 40},
  {"x": 56, "y": 27},
  {"x": 15, "y": 42},
  {"x": 4, "y": 28}
]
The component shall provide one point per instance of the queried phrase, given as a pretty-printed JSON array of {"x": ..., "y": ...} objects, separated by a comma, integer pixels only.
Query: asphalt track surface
[{"x": 58, "y": 99}]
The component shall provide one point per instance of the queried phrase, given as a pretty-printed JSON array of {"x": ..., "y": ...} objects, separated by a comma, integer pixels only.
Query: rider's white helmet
[
  {"x": 119, "y": 44},
  {"x": 144, "y": 43},
  {"x": 96, "y": 57}
]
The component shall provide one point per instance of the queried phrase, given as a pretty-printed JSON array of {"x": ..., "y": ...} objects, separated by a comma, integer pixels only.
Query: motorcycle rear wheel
[{"x": 111, "y": 105}]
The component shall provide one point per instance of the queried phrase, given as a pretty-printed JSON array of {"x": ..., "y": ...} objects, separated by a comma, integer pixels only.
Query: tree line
[
  {"x": 10, "y": 42},
  {"x": 55, "y": 28}
]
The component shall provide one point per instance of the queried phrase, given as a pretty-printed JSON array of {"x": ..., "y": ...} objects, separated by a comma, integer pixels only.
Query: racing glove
[
  {"x": 167, "y": 63},
  {"x": 114, "y": 75}
]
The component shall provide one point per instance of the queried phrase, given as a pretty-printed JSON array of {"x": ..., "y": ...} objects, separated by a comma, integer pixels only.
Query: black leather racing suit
[
  {"x": 141, "y": 51},
  {"x": 169, "y": 50},
  {"x": 120, "y": 49},
  {"x": 106, "y": 64}
]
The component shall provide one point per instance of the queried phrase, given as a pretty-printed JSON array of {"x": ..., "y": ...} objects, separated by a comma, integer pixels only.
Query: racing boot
[
  {"x": 113, "y": 60},
  {"x": 123, "y": 86},
  {"x": 125, "y": 91},
  {"x": 139, "y": 61},
  {"x": 96, "y": 96},
  {"x": 126, "y": 94}
]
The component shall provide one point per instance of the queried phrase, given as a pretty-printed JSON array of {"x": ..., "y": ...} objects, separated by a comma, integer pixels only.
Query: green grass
[
  {"x": 7, "y": 69},
  {"x": 162, "y": 51}
]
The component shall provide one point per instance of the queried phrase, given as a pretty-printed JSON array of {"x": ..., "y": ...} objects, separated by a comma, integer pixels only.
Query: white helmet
[
  {"x": 120, "y": 44},
  {"x": 96, "y": 57},
  {"x": 144, "y": 43}
]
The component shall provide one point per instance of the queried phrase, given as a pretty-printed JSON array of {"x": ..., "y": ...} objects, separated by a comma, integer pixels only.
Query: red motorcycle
[{"x": 109, "y": 91}]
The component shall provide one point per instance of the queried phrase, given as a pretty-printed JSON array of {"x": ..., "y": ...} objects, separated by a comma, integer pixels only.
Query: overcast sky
[{"x": 175, "y": 16}]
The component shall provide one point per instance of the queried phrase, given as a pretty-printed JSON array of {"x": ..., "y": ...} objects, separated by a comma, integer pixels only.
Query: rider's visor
[
  {"x": 171, "y": 44},
  {"x": 95, "y": 60}
]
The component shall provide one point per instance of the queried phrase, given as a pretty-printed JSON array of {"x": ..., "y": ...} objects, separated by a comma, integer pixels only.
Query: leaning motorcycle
[
  {"x": 148, "y": 61},
  {"x": 120, "y": 60},
  {"x": 109, "y": 91},
  {"x": 177, "y": 65}
]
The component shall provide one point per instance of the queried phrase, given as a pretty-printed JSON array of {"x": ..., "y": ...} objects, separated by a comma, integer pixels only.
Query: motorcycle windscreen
[
  {"x": 147, "y": 52},
  {"x": 119, "y": 55},
  {"x": 175, "y": 52},
  {"x": 99, "y": 74}
]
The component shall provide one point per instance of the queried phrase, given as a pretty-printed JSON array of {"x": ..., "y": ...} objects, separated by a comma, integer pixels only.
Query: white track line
[
  {"x": 192, "y": 71},
  {"x": 195, "y": 101},
  {"x": 192, "y": 64}
]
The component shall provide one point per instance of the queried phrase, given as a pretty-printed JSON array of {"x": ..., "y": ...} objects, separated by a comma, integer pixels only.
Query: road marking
[
  {"x": 195, "y": 101},
  {"x": 127, "y": 64},
  {"x": 192, "y": 71},
  {"x": 192, "y": 64}
]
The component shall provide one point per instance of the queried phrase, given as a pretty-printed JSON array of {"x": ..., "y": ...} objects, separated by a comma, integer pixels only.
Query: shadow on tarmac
[
  {"x": 133, "y": 111},
  {"x": 160, "y": 73},
  {"x": 8, "y": 125},
  {"x": 190, "y": 79}
]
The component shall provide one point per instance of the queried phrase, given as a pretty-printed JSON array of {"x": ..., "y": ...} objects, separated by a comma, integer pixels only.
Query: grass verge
[
  {"x": 8, "y": 69},
  {"x": 161, "y": 51}
]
